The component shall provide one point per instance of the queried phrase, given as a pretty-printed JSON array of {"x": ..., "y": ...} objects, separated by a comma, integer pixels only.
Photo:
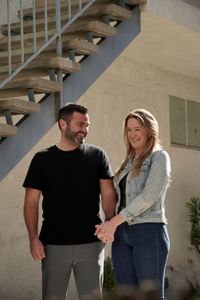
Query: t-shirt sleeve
[
  {"x": 33, "y": 177},
  {"x": 105, "y": 170}
]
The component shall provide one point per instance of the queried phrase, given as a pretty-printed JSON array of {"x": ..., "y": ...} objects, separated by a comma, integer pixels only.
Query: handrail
[{"x": 56, "y": 37}]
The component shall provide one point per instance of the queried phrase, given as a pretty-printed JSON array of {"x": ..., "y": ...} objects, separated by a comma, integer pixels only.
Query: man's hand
[{"x": 37, "y": 249}]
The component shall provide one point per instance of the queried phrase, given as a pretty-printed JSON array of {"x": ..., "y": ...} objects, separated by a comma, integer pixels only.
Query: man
[{"x": 70, "y": 176}]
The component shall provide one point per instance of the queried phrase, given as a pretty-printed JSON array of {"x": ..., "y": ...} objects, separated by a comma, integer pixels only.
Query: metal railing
[{"x": 73, "y": 9}]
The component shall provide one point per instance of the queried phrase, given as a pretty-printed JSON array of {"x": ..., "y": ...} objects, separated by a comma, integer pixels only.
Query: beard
[{"x": 75, "y": 138}]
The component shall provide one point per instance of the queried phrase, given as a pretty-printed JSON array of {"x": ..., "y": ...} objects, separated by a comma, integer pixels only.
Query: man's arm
[
  {"x": 108, "y": 197},
  {"x": 31, "y": 207}
]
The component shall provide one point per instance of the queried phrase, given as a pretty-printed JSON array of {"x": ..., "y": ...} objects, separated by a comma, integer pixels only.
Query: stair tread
[
  {"x": 99, "y": 29},
  {"x": 34, "y": 83},
  {"x": 79, "y": 46},
  {"x": 110, "y": 9},
  {"x": 96, "y": 10},
  {"x": 61, "y": 63},
  {"x": 18, "y": 106},
  {"x": 19, "y": 87},
  {"x": 51, "y": 8},
  {"x": 58, "y": 63},
  {"x": 7, "y": 130},
  {"x": 28, "y": 25}
]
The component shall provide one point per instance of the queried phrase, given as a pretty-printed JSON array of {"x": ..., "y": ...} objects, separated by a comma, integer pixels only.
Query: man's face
[{"x": 77, "y": 129}]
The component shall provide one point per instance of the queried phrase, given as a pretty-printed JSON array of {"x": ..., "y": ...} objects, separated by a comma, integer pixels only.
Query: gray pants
[{"x": 86, "y": 261}]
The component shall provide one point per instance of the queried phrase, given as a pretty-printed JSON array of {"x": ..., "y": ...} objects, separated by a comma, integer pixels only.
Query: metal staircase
[{"x": 51, "y": 57}]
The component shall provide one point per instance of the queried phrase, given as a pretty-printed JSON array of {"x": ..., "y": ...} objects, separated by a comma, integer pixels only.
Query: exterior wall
[{"x": 126, "y": 85}]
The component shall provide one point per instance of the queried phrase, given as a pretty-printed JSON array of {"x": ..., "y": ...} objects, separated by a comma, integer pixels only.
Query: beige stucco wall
[{"x": 126, "y": 85}]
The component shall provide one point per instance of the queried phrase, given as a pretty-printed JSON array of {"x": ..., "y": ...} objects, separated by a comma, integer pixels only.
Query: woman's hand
[{"x": 105, "y": 231}]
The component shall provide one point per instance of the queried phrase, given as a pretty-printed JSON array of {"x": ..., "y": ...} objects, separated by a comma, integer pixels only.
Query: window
[{"x": 184, "y": 122}]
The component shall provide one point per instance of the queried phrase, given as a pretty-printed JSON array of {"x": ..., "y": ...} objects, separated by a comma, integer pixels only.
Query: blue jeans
[{"x": 139, "y": 253}]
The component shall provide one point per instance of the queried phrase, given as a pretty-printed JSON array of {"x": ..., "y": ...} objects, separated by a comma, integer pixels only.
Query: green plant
[
  {"x": 109, "y": 285},
  {"x": 194, "y": 208}
]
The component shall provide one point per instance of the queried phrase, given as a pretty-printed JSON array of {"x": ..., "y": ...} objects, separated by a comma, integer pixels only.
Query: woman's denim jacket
[{"x": 145, "y": 193}]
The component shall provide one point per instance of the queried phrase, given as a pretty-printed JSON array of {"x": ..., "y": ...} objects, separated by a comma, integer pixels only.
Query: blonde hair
[{"x": 150, "y": 123}]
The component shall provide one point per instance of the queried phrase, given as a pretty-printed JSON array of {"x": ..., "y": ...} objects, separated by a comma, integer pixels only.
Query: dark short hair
[{"x": 66, "y": 111}]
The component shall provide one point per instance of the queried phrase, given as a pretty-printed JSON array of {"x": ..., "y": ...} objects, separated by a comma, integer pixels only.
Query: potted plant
[
  {"x": 109, "y": 285},
  {"x": 194, "y": 208}
]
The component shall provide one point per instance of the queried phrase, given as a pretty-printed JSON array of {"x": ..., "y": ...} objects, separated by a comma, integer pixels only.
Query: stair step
[
  {"x": 64, "y": 7},
  {"x": 7, "y": 130},
  {"x": 98, "y": 28},
  {"x": 19, "y": 88},
  {"x": 28, "y": 12},
  {"x": 115, "y": 12},
  {"x": 28, "y": 25},
  {"x": 79, "y": 46},
  {"x": 18, "y": 106},
  {"x": 40, "y": 67}
]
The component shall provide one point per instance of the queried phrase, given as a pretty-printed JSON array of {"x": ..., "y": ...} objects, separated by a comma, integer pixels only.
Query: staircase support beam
[
  {"x": 31, "y": 95},
  {"x": 8, "y": 116},
  {"x": 52, "y": 74}
]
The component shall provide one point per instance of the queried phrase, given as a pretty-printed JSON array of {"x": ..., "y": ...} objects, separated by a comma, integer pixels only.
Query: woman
[{"x": 141, "y": 242}]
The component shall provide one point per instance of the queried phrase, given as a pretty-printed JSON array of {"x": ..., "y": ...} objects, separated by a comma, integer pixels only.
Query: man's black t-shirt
[{"x": 69, "y": 181}]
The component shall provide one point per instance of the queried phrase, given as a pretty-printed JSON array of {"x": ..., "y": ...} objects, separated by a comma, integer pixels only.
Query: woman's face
[{"x": 137, "y": 135}]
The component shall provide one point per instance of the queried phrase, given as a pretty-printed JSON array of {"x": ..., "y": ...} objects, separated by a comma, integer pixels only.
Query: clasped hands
[{"x": 105, "y": 231}]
